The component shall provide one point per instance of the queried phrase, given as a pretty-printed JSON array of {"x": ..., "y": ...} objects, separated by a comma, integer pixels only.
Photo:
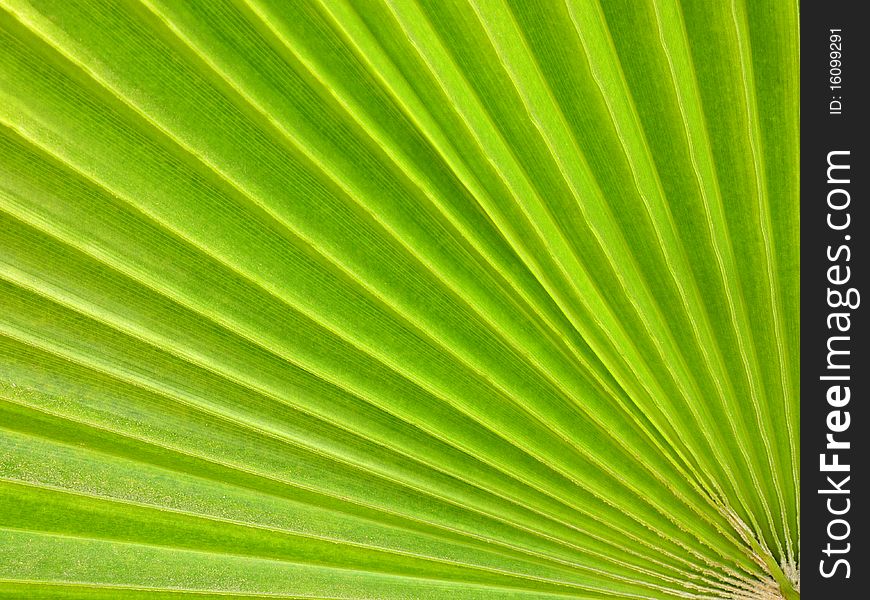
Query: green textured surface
[{"x": 399, "y": 299}]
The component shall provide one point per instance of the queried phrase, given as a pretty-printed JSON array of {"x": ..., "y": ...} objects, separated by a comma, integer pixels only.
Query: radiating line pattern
[{"x": 399, "y": 299}]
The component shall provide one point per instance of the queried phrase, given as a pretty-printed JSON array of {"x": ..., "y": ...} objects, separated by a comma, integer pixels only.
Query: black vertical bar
[{"x": 834, "y": 227}]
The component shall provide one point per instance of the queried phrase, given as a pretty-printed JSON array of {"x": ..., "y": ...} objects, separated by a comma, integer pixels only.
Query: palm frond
[{"x": 399, "y": 299}]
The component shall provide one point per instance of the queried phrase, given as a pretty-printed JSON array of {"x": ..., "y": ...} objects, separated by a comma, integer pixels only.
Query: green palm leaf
[{"x": 399, "y": 299}]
